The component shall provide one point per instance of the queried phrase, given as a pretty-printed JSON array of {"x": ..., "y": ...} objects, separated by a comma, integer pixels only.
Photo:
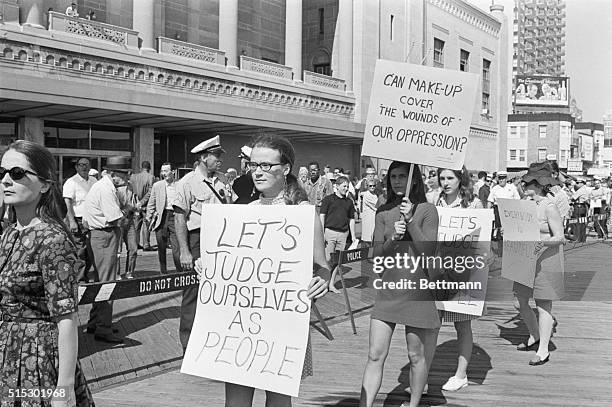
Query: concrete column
[
  {"x": 31, "y": 129},
  {"x": 293, "y": 37},
  {"x": 143, "y": 21},
  {"x": 31, "y": 13},
  {"x": 228, "y": 30},
  {"x": 345, "y": 37},
  {"x": 143, "y": 147},
  {"x": 500, "y": 85},
  {"x": 193, "y": 21}
]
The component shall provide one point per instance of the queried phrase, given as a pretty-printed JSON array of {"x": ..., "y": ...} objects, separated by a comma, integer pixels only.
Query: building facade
[
  {"x": 539, "y": 38},
  {"x": 606, "y": 151},
  {"x": 150, "y": 79}
]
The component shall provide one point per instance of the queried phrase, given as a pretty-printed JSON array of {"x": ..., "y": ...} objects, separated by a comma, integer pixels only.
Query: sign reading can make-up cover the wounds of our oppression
[
  {"x": 419, "y": 114},
  {"x": 253, "y": 313}
]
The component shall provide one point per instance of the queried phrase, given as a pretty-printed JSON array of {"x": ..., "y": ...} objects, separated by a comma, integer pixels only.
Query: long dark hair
[
  {"x": 294, "y": 194},
  {"x": 51, "y": 205},
  {"x": 466, "y": 191},
  {"x": 417, "y": 191}
]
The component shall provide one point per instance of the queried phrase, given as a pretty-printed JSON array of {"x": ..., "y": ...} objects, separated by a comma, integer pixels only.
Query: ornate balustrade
[
  {"x": 265, "y": 67},
  {"x": 190, "y": 51},
  {"x": 324, "y": 81},
  {"x": 93, "y": 29}
]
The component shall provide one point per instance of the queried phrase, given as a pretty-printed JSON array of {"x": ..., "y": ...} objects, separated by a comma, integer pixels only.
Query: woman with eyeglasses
[
  {"x": 406, "y": 225},
  {"x": 271, "y": 162},
  {"x": 457, "y": 192},
  {"x": 367, "y": 205},
  {"x": 38, "y": 288}
]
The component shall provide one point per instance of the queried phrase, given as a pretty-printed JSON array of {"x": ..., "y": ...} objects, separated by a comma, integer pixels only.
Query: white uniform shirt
[
  {"x": 507, "y": 192},
  {"x": 76, "y": 188},
  {"x": 102, "y": 204}
]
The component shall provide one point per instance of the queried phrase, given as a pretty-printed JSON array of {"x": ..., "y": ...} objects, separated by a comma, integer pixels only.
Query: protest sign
[
  {"x": 519, "y": 220},
  {"x": 419, "y": 114},
  {"x": 252, "y": 319},
  {"x": 465, "y": 235}
]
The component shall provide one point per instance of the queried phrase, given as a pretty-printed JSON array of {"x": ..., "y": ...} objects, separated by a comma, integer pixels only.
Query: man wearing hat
[
  {"x": 243, "y": 186},
  {"x": 74, "y": 192},
  {"x": 580, "y": 199},
  {"x": 160, "y": 215},
  {"x": 197, "y": 188},
  {"x": 102, "y": 215},
  {"x": 502, "y": 190}
]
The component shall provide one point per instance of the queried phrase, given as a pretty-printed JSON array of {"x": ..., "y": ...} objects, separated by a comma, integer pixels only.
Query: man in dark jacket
[{"x": 244, "y": 186}]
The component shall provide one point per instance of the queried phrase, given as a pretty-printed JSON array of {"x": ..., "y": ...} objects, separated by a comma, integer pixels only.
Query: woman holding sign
[
  {"x": 457, "y": 193},
  {"x": 548, "y": 284},
  {"x": 271, "y": 161},
  {"x": 404, "y": 225}
]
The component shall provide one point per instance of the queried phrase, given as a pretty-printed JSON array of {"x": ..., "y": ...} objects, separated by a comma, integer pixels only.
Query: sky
[{"x": 588, "y": 52}]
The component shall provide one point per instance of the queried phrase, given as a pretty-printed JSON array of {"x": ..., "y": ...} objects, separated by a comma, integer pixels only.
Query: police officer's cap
[{"x": 212, "y": 145}]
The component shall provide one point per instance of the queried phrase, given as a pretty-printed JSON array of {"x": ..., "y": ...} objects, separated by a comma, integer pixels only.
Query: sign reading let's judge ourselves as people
[
  {"x": 419, "y": 114},
  {"x": 252, "y": 317}
]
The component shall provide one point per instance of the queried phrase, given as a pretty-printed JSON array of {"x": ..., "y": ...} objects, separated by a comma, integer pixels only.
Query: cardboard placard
[
  {"x": 252, "y": 319},
  {"x": 466, "y": 233},
  {"x": 519, "y": 219},
  {"x": 419, "y": 114}
]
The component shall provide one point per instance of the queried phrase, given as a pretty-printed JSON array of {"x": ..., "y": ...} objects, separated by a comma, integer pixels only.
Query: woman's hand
[
  {"x": 198, "y": 267},
  {"x": 400, "y": 229},
  {"x": 317, "y": 287},
  {"x": 68, "y": 399},
  {"x": 406, "y": 208},
  {"x": 538, "y": 248}
]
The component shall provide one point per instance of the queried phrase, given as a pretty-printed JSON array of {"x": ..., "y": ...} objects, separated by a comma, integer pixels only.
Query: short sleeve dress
[
  {"x": 38, "y": 282},
  {"x": 410, "y": 307},
  {"x": 280, "y": 200},
  {"x": 549, "y": 276}
]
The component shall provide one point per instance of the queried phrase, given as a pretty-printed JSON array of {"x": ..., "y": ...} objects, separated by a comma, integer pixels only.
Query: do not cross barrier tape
[{"x": 135, "y": 287}]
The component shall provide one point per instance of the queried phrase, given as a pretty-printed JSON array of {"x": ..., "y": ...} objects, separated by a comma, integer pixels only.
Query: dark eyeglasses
[
  {"x": 371, "y": 186},
  {"x": 16, "y": 173},
  {"x": 264, "y": 166}
]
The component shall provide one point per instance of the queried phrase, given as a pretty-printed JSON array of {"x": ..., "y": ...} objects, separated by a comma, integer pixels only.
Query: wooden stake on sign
[{"x": 408, "y": 187}]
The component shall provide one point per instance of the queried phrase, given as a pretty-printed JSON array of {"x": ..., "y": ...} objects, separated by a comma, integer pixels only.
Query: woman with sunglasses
[
  {"x": 367, "y": 204},
  {"x": 38, "y": 287},
  {"x": 406, "y": 224},
  {"x": 271, "y": 162},
  {"x": 457, "y": 192}
]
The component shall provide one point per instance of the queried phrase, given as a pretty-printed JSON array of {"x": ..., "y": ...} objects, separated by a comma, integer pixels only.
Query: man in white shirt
[
  {"x": 74, "y": 192},
  {"x": 72, "y": 10},
  {"x": 502, "y": 190},
  {"x": 482, "y": 175},
  {"x": 160, "y": 217},
  {"x": 102, "y": 215},
  {"x": 598, "y": 202},
  {"x": 581, "y": 199}
]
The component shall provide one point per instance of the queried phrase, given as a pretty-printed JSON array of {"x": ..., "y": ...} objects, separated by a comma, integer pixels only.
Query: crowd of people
[{"x": 55, "y": 240}]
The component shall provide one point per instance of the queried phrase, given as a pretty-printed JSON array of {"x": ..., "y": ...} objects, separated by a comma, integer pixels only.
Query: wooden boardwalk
[{"x": 143, "y": 371}]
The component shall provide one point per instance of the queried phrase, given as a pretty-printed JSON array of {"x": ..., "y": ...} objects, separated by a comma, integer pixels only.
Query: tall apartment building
[
  {"x": 539, "y": 38},
  {"x": 607, "y": 141}
]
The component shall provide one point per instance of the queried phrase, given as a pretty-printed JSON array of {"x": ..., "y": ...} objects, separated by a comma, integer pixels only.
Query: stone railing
[
  {"x": 324, "y": 81},
  {"x": 265, "y": 67},
  {"x": 128, "y": 71},
  {"x": 93, "y": 29},
  {"x": 190, "y": 51}
]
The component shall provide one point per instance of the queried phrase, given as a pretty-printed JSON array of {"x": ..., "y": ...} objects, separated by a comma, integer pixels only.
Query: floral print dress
[{"x": 38, "y": 283}]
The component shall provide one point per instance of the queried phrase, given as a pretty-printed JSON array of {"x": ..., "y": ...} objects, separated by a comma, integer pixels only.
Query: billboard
[{"x": 542, "y": 90}]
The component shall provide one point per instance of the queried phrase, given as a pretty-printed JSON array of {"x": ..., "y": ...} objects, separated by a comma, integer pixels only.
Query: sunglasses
[{"x": 16, "y": 173}]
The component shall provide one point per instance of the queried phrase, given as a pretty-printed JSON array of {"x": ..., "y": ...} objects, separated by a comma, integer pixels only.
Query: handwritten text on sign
[
  {"x": 251, "y": 324},
  {"x": 419, "y": 114},
  {"x": 519, "y": 220},
  {"x": 465, "y": 234}
]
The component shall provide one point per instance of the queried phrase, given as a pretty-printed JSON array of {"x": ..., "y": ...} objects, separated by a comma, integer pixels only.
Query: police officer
[{"x": 199, "y": 187}]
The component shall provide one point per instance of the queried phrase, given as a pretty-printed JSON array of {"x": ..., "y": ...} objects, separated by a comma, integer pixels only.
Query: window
[
  {"x": 88, "y": 137},
  {"x": 563, "y": 155},
  {"x": 608, "y": 137},
  {"x": 541, "y": 154},
  {"x": 513, "y": 132},
  {"x": 323, "y": 69},
  {"x": 464, "y": 58},
  {"x": 486, "y": 85},
  {"x": 321, "y": 21},
  {"x": 522, "y": 155},
  {"x": 8, "y": 132},
  {"x": 485, "y": 103},
  {"x": 523, "y": 131},
  {"x": 512, "y": 155},
  {"x": 391, "y": 28},
  {"x": 438, "y": 53},
  {"x": 542, "y": 128}
]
